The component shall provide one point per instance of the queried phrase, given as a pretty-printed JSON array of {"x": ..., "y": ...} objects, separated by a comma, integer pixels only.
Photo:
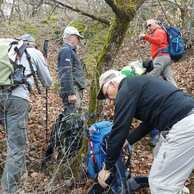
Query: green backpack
[
  {"x": 12, "y": 72},
  {"x": 6, "y": 68},
  {"x": 134, "y": 68}
]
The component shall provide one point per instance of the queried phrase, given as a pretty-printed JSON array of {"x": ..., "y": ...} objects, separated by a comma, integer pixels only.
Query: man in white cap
[
  {"x": 15, "y": 107},
  {"x": 70, "y": 71},
  {"x": 158, "y": 104},
  {"x": 158, "y": 40}
]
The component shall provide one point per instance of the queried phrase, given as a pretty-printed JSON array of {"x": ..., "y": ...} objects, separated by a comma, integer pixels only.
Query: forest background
[{"x": 111, "y": 29}]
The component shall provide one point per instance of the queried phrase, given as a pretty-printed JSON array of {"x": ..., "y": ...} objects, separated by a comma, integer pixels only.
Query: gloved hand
[
  {"x": 148, "y": 64},
  {"x": 103, "y": 175}
]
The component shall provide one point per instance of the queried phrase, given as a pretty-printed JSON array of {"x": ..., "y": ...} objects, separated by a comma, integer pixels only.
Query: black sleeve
[
  {"x": 65, "y": 71},
  {"x": 136, "y": 134},
  {"x": 125, "y": 108}
]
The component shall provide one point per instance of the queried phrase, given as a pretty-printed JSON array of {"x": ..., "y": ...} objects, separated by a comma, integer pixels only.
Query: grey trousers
[
  {"x": 70, "y": 107},
  {"x": 174, "y": 161},
  {"x": 162, "y": 68},
  {"x": 15, "y": 111}
]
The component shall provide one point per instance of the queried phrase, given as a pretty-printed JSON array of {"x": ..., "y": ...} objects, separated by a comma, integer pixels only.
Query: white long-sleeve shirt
[{"x": 40, "y": 66}]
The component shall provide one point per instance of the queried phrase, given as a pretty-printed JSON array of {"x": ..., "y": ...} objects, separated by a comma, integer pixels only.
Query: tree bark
[
  {"x": 190, "y": 25},
  {"x": 36, "y": 8},
  {"x": 12, "y": 11},
  {"x": 124, "y": 13}
]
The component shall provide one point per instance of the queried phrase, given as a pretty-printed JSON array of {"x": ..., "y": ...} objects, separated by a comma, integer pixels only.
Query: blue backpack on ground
[
  {"x": 98, "y": 134},
  {"x": 96, "y": 154},
  {"x": 176, "y": 43}
]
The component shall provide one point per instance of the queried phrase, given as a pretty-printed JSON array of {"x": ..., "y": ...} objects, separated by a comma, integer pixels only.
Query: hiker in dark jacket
[
  {"x": 70, "y": 71},
  {"x": 157, "y": 104}
]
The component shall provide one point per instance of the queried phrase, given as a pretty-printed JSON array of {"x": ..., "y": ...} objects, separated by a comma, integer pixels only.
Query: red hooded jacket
[{"x": 158, "y": 40}]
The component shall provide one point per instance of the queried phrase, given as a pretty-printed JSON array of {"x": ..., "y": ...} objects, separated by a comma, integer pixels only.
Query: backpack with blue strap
[
  {"x": 98, "y": 135},
  {"x": 176, "y": 47},
  {"x": 96, "y": 154}
]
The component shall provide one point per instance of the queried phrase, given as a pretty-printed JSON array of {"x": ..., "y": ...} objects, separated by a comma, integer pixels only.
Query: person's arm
[
  {"x": 42, "y": 68},
  {"x": 151, "y": 39},
  {"x": 156, "y": 38},
  {"x": 64, "y": 70},
  {"x": 136, "y": 134},
  {"x": 124, "y": 111}
]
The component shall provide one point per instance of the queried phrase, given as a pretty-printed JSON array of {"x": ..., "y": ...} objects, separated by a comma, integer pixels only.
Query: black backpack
[{"x": 66, "y": 136}]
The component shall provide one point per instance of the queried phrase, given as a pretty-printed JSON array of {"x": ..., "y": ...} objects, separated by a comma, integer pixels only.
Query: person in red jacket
[{"x": 158, "y": 39}]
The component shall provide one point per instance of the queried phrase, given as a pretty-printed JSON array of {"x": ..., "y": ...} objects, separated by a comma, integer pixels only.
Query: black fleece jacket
[{"x": 157, "y": 103}]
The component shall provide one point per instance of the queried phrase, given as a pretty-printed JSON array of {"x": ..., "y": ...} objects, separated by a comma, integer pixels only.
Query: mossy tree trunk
[
  {"x": 124, "y": 12},
  {"x": 1, "y": 11}
]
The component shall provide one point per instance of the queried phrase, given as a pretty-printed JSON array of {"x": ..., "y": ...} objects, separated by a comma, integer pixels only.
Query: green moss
[
  {"x": 78, "y": 24},
  {"x": 53, "y": 18},
  {"x": 92, "y": 102},
  {"x": 44, "y": 21},
  {"x": 95, "y": 34},
  {"x": 56, "y": 85},
  {"x": 30, "y": 28},
  {"x": 126, "y": 6}
]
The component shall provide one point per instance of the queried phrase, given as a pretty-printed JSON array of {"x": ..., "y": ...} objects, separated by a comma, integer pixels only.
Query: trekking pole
[
  {"x": 139, "y": 50},
  {"x": 45, "y": 52},
  {"x": 34, "y": 75}
]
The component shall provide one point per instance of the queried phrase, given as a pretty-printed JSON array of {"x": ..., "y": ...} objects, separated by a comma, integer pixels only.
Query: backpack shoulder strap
[
  {"x": 32, "y": 70},
  {"x": 15, "y": 51}
]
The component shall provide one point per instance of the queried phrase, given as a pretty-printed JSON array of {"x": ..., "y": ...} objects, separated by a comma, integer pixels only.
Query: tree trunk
[
  {"x": 115, "y": 38},
  {"x": 124, "y": 13},
  {"x": 12, "y": 11},
  {"x": 106, "y": 58},
  {"x": 190, "y": 25}
]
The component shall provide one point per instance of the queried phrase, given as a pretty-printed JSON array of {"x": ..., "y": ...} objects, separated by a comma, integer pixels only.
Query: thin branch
[
  {"x": 102, "y": 20},
  {"x": 39, "y": 4},
  {"x": 52, "y": 11},
  {"x": 174, "y": 3},
  {"x": 164, "y": 12},
  {"x": 113, "y": 6}
]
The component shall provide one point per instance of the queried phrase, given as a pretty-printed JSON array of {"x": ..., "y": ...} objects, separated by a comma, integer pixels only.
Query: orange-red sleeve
[{"x": 157, "y": 38}]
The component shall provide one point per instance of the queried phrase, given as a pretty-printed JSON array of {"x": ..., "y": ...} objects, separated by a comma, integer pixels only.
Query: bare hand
[
  {"x": 141, "y": 36},
  {"x": 72, "y": 99},
  {"x": 103, "y": 175},
  {"x": 142, "y": 44}
]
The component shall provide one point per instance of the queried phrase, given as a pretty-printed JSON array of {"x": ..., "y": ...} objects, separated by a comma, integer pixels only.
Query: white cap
[
  {"x": 105, "y": 78},
  {"x": 152, "y": 21},
  {"x": 70, "y": 30}
]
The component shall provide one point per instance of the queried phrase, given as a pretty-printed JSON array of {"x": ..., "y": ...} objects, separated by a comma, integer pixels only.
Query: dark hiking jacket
[
  {"x": 157, "y": 103},
  {"x": 70, "y": 71}
]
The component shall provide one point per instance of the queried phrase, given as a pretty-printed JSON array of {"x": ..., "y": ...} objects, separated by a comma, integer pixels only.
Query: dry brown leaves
[{"x": 37, "y": 181}]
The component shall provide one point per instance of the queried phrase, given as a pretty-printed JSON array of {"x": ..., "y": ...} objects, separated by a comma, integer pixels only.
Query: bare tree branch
[
  {"x": 113, "y": 6},
  {"x": 1, "y": 11},
  {"x": 174, "y": 3},
  {"x": 99, "y": 19},
  {"x": 123, "y": 13},
  {"x": 163, "y": 11},
  {"x": 52, "y": 11}
]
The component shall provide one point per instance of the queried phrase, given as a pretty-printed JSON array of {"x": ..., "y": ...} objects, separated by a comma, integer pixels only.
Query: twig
[{"x": 164, "y": 12}]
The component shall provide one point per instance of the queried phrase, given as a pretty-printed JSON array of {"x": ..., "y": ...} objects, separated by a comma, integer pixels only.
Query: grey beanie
[{"x": 26, "y": 37}]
